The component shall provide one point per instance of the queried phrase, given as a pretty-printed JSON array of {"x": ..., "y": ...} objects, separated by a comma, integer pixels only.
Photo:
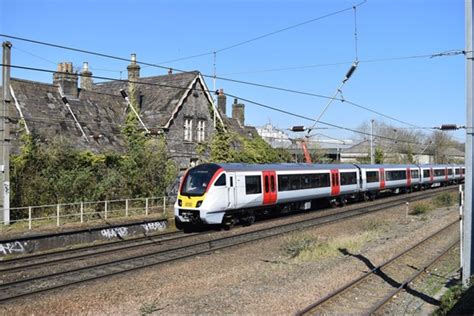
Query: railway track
[
  {"x": 63, "y": 255},
  {"x": 21, "y": 282},
  {"x": 368, "y": 294}
]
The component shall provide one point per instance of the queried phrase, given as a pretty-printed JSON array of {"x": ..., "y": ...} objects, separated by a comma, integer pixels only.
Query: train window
[
  {"x": 450, "y": 172},
  {"x": 372, "y": 176},
  {"x": 253, "y": 184},
  {"x": 272, "y": 183},
  {"x": 221, "y": 181},
  {"x": 348, "y": 178},
  {"x": 267, "y": 185},
  {"x": 295, "y": 183},
  {"x": 283, "y": 183},
  {"x": 439, "y": 172},
  {"x": 396, "y": 175},
  {"x": 414, "y": 173},
  {"x": 457, "y": 171},
  {"x": 320, "y": 180},
  {"x": 306, "y": 181},
  {"x": 426, "y": 173},
  {"x": 231, "y": 181}
]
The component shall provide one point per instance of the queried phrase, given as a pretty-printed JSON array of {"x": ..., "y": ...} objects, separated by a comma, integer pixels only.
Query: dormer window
[
  {"x": 188, "y": 129},
  {"x": 201, "y": 131}
]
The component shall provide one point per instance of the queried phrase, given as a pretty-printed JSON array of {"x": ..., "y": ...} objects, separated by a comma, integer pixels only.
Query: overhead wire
[
  {"x": 209, "y": 91},
  {"x": 229, "y": 47},
  {"x": 214, "y": 77},
  {"x": 453, "y": 52}
]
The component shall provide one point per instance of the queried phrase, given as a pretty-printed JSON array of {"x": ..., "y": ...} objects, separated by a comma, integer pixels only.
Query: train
[{"x": 230, "y": 193}]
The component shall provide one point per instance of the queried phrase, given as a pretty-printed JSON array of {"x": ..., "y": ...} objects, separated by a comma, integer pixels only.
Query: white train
[{"x": 231, "y": 192}]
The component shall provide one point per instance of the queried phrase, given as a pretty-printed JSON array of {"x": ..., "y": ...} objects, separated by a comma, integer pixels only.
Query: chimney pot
[
  {"x": 238, "y": 112},
  {"x": 66, "y": 79},
  {"x": 222, "y": 101},
  {"x": 133, "y": 69},
  {"x": 86, "y": 77}
]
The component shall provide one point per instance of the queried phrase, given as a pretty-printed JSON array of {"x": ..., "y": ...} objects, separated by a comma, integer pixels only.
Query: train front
[{"x": 194, "y": 202}]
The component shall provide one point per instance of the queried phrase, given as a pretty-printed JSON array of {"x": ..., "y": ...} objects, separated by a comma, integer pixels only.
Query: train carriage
[
  {"x": 231, "y": 192},
  {"x": 209, "y": 192},
  {"x": 376, "y": 178},
  {"x": 435, "y": 175}
]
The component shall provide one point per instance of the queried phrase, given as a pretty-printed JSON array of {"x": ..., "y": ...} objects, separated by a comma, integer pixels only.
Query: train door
[
  {"x": 446, "y": 174},
  {"x": 231, "y": 190},
  {"x": 382, "y": 178},
  {"x": 431, "y": 175},
  {"x": 408, "y": 177},
  {"x": 269, "y": 187},
  {"x": 335, "y": 185}
]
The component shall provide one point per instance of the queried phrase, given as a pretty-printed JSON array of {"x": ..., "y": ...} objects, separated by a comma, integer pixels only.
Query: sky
[{"x": 312, "y": 58}]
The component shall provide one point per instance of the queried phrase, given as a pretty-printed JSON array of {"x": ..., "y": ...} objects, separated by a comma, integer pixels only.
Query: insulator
[
  {"x": 298, "y": 128},
  {"x": 123, "y": 93}
]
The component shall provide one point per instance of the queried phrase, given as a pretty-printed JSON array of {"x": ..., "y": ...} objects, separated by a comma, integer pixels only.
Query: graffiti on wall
[{"x": 11, "y": 248}]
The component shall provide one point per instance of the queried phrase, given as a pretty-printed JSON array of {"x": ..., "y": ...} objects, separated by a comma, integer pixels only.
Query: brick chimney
[
  {"x": 222, "y": 101},
  {"x": 86, "y": 77},
  {"x": 238, "y": 112},
  {"x": 66, "y": 78},
  {"x": 133, "y": 68},
  {"x": 133, "y": 75}
]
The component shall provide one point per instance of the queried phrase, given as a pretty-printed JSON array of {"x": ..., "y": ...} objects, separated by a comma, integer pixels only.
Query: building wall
[{"x": 196, "y": 107}]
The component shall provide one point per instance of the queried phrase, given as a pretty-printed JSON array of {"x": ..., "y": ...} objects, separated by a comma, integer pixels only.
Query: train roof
[
  {"x": 232, "y": 167},
  {"x": 440, "y": 166},
  {"x": 280, "y": 166},
  {"x": 378, "y": 166}
]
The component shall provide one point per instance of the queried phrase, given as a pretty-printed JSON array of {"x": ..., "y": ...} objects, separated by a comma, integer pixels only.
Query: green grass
[{"x": 449, "y": 299}]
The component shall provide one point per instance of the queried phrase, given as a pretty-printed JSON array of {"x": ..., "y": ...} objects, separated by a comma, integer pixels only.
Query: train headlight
[
  {"x": 180, "y": 203},
  {"x": 198, "y": 204}
]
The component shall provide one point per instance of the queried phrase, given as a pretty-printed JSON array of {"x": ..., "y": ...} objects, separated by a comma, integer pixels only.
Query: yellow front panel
[{"x": 190, "y": 201}]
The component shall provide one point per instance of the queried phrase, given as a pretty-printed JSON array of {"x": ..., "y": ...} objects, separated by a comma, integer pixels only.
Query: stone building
[{"x": 91, "y": 115}]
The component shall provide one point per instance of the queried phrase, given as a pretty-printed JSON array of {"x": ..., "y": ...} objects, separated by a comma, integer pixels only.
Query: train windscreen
[{"x": 197, "y": 179}]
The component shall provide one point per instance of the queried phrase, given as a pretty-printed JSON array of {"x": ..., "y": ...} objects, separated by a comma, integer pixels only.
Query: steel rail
[
  {"x": 147, "y": 240},
  {"x": 110, "y": 247},
  {"x": 405, "y": 284},
  {"x": 97, "y": 271},
  {"x": 351, "y": 284}
]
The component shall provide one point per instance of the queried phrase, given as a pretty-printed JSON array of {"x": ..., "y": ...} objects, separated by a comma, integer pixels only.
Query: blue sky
[{"x": 422, "y": 91}]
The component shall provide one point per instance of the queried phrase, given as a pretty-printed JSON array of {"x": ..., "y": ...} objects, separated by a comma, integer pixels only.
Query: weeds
[
  {"x": 420, "y": 208},
  {"x": 149, "y": 308},
  {"x": 296, "y": 246},
  {"x": 373, "y": 225},
  {"x": 449, "y": 299},
  {"x": 445, "y": 199},
  {"x": 310, "y": 248}
]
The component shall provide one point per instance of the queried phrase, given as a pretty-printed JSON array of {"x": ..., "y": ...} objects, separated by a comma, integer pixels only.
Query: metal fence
[{"x": 81, "y": 212}]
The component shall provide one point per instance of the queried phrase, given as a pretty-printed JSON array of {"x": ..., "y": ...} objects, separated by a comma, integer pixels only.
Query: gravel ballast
[{"x": 255, "y": 278}]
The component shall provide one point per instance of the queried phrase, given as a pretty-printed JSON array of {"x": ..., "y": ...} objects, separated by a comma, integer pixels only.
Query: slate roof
[
  {"x": 46, "y": 114},
  {"x": 102, "y": 111},
  {"x": 160, "y": 95}
]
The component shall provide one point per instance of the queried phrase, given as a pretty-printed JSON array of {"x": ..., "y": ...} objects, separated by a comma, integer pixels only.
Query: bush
[
  {"x": 445, "y": 199},
  {"x": 420, "y": 208},
  {"x": 56, "y": 172}
]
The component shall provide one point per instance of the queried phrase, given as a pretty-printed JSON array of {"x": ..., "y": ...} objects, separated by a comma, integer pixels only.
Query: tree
[
  {"x": 441, "y": 143},
  {"x": 379, "y": 155},
  {"x": 232, "y": 147}
]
